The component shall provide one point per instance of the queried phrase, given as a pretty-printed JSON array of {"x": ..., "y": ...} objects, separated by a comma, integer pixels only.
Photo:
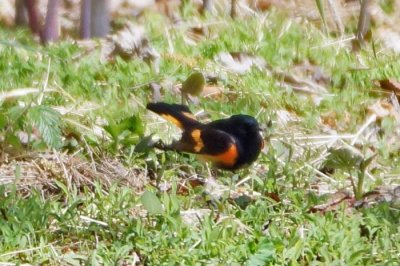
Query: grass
[{"x": 98, "y": 223}]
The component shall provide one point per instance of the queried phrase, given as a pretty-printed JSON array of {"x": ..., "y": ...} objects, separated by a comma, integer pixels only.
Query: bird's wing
[
  {"x": 178, "y": 114},
  {"x": 216, "y": 146},
  {"x": 210, "y": 144}
]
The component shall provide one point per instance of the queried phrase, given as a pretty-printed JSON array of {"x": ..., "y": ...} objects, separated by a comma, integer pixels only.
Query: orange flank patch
[
  {"x": 173, "y": 120},
  {"x": 227, "y": 158},
  {"x": 196, "y": 135}
]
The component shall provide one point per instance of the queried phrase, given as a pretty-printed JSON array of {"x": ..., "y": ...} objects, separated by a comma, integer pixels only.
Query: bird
[{"x": 230, "y": 144}]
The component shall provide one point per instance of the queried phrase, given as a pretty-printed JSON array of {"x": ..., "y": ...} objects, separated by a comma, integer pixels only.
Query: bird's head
[{"x": 246, "y": 125}]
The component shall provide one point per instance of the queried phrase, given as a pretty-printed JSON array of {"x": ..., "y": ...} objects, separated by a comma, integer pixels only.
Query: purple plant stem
[
  {"x": 51, "y": 26},
  {"x": 85, "y": 19}
]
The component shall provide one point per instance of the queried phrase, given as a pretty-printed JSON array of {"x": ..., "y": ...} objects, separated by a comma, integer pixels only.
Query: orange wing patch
[
  {"x": 173, "y": 120},
  {"x": 228, "y": 158},
  {"x": 196, "y": 135}
]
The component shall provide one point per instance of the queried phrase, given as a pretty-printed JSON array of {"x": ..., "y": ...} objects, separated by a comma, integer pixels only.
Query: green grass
[{"x": 52, "y": 228}]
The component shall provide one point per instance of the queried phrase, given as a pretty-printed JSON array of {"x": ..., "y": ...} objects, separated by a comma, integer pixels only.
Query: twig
[
  {"x": 318, "y": 137},
  {"x": 233, "y": 8},
  {"x": 21, "y": 92},
  {"x": 170, "y": 44},
  {"x": 207, "y": 6},
  {"x": 334, "y": 43},
  {"x": 244, "y": 6},
  {"x": 195, "y": 245},
  {"x": 93, "y": 164},
  {"x": 335, "y": 15},
  {"x": 41, "y": 95},
  {"x": 69, "y": 96},
  {"x": 55, "y": 254},
  {"x": 363, "y": 21},
  {"x": 91, "y": 220},
  {"x": 12, "y": 253},
  {"x": 321, "y": 174},
  {"x": 244, "y": 180},
  {"x": 370, "y": 120},
  {"x": 67, "y": 176},
  {"x": 396, "y": 106}
]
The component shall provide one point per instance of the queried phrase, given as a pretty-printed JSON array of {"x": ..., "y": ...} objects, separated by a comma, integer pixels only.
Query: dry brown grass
[{"x": 42, "y": 170}]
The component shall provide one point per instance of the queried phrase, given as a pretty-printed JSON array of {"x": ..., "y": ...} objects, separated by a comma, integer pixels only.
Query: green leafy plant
[
  {"x": 44, "y": 119},
  {"x": 48, "y": 122},
  {"x": 102, "y": 222},
  {"x": 125, "y": 132},
  {"x": 193, "y": 85},
  {"x": 263, "y": 255},
  {"x": 353, "y": 162},
  {"x": 151, "y": 203}
]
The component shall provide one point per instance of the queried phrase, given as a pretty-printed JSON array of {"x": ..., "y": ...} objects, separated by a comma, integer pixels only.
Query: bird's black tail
[{"x": 178, "y": 114}]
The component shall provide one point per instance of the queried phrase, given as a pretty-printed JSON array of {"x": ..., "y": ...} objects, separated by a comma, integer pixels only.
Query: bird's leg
[
  {"x": 160, "y": 145},
  {"x": 209, "y": 170}
]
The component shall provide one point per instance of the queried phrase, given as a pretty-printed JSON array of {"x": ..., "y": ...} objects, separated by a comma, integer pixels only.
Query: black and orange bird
[{"x": 230, "y": 143}]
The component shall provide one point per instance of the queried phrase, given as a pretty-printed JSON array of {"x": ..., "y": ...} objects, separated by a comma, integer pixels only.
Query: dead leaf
[
  {"x": 329, "y": 119},
  {"x": 130, "y": 7},
  {"x": 189, "y": 183},
  {"x": 240, "y": 62},
  {"x": 155, "y": 91},
  {"x": 193, "y": 217},
  {"x": 212, "y": 91},
  {"x": 196, "y": 34},
  {"x": 261, "y": 5},
  {"x": 307, "y": 70},
  {"x": 286, "y": 6},
  {"x": 274, "y": 196},
  {"x": 285, "y": 117},
  {"x": 129, "y": 43},
  {"x": 169, "y": 8},
  {"x": 213, "y": 78},
  {"x": 390, "y": 85},
  {"x": 391, "y": 39},
  {"x": 334, "y": 202},
  {"x": 396, "y": 107},
  {"x": 381, "y": 108},
  {"x": 7, "y": 11},
  {"x": 381, "y": 194},
  {"x": 298, "y": 83}
]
